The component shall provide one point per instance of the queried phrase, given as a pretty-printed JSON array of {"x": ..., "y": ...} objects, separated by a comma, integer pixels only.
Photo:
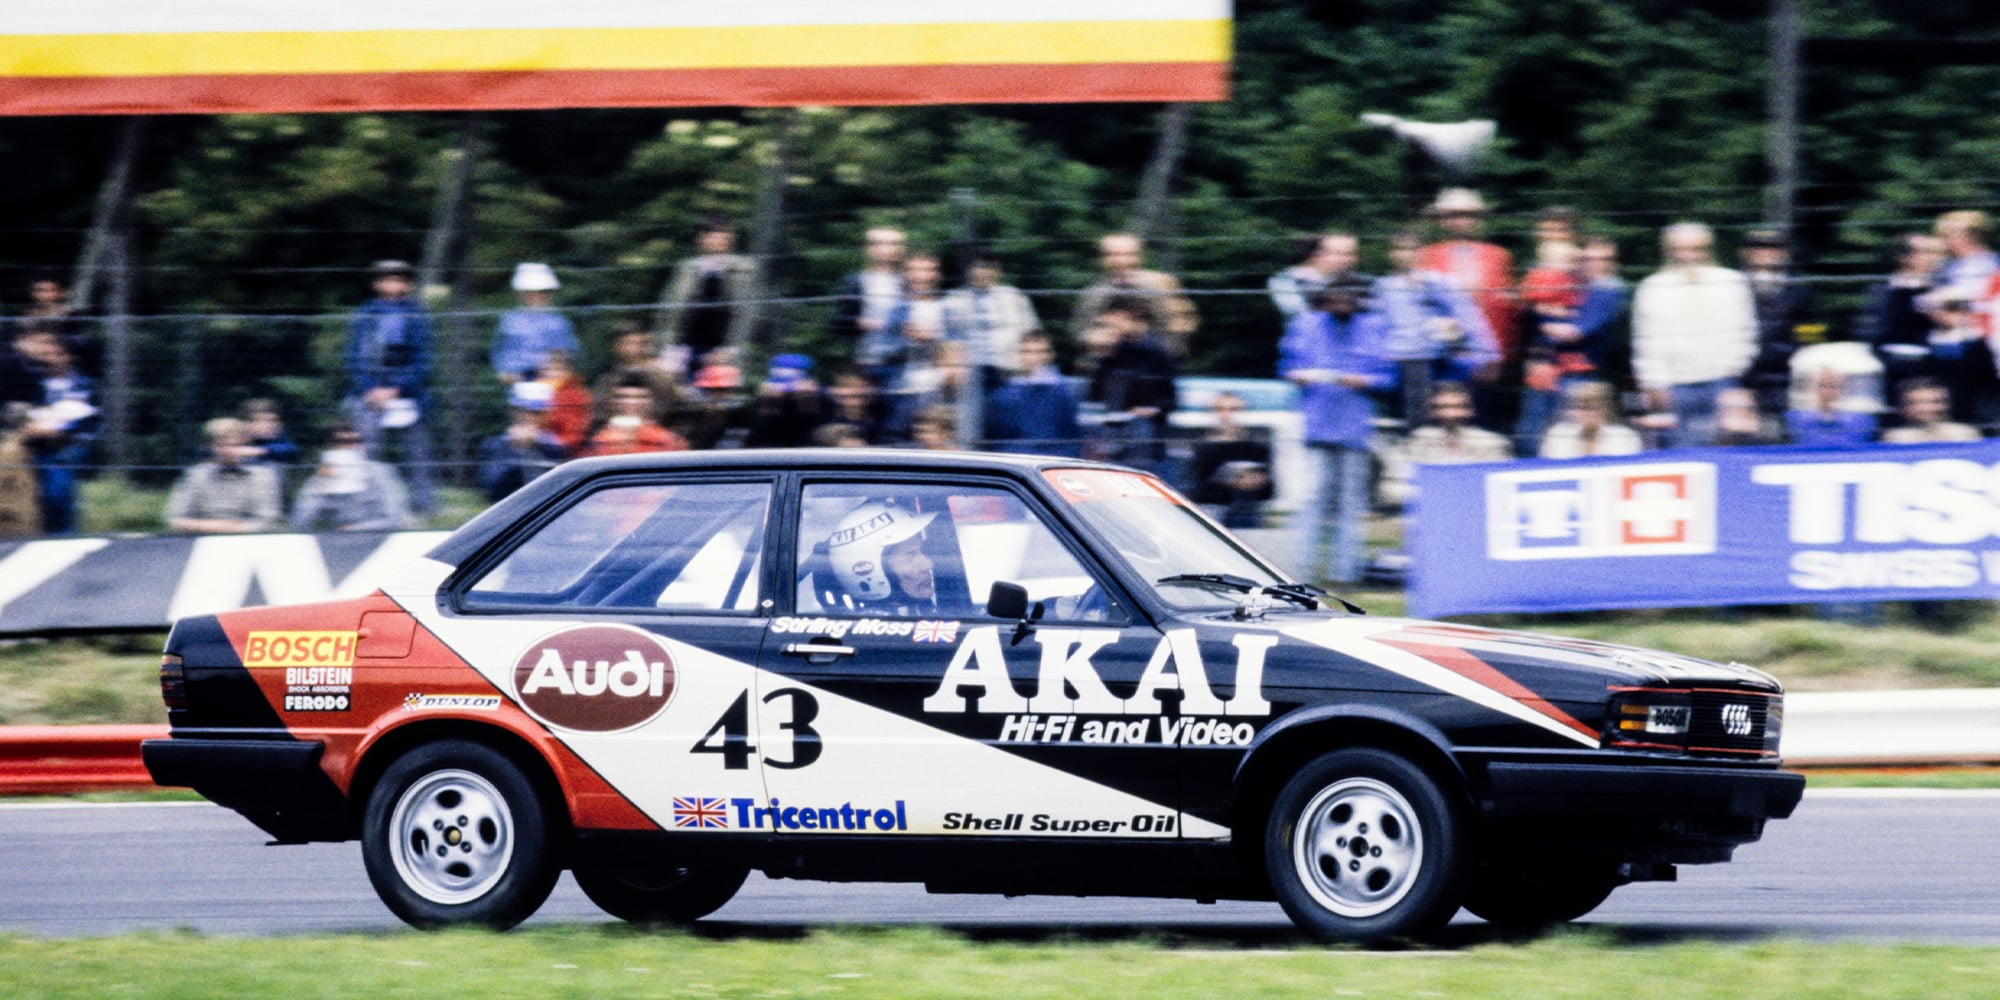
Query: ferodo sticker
[
  {"x": 596, "y": 678},
  {"x": 300, "y": 649}
]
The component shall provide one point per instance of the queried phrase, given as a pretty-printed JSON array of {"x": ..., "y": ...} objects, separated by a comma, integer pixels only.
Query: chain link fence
[{"x": 187, "y": 369}]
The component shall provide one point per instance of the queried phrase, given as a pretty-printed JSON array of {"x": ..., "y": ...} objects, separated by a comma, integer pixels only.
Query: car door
[
  {"x": 901, "y": 706},
  {"x": 628, "y": 621}
]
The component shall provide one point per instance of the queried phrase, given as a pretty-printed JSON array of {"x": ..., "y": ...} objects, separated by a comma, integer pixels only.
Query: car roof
[{"x": 503, "y": 515}]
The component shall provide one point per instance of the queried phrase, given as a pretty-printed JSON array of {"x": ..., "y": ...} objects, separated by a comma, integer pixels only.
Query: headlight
[
  {"x": 1714, "y": 721},
  {"x": 1650, "y": 719}
]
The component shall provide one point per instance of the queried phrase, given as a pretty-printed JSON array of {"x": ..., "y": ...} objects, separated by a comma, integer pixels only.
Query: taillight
[{"x": 173, "y": 682}]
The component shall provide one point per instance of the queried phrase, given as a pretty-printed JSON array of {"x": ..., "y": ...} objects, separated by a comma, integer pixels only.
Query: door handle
[{"x": 815, "y": 650}]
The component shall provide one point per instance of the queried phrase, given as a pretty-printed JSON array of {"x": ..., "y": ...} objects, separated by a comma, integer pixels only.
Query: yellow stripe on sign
[{"x": 207, "y": 53}]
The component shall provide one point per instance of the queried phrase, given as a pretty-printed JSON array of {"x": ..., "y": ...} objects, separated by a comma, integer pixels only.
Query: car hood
[
  {"x": 1557, "y": 683},
  {"x": 1620, "y": 665},
  {"x": 1600, "y": 663}
]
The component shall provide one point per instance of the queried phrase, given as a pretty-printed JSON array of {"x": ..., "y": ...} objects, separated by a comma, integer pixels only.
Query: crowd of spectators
[{"x": 1454, "y": 354}]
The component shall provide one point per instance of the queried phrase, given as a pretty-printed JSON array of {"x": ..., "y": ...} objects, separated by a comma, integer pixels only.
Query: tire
[
  {"x": 668, "y": 896},
  {"x": 454, "y": 834},
  {"x": 1527, "y": 899},
  {"x": 1362, "y": 845}
]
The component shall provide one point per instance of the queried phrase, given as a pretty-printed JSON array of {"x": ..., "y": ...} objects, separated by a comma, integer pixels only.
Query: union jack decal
[
  {"x": 935, "y": 632},
  {"x": 700, "y": 813}
]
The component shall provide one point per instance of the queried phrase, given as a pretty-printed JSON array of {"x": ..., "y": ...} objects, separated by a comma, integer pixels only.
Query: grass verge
[
  {"x": 82, "y": 681},
  {"x": 616, "y": 961},
  {"x": 1901, "y": 646},
  {"x": 1975, "y": 778}
]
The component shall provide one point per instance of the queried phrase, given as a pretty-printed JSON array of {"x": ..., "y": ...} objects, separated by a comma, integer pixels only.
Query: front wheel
[
  {"x": 455, "y": 833},
  {"x": 1362, "y": 845},
  {"x": 668, "y": 896}
]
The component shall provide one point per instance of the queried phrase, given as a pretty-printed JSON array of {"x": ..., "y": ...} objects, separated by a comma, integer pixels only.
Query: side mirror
[{"x": 1007, "y": 601}]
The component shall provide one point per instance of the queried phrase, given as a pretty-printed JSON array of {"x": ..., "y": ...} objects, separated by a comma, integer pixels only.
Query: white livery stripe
[
  {"x": 870, "y": 757},
  {"x": 1356, "y": 637}
]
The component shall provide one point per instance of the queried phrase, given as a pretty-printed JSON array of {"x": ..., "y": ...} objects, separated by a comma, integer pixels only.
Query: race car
[{"x": 979, "y": 672}]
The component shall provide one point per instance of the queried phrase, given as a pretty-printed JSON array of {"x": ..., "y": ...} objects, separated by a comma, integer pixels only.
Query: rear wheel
[
  {"x": 1534, "y": 897},
  {"x": 1362, "y": 845},
  {"x": 455, "y": 833},
  {"x": 665, "y": 896}
]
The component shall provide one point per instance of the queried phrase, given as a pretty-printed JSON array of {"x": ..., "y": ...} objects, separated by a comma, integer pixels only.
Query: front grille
[{"x": 1732, "y": 722}]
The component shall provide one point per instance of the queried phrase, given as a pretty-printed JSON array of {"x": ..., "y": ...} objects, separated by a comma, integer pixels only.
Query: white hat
[
  {"x": 535, "y": 278},
  {"x": 1458, "y": 201},
  {"x": 536, "y": 396},
  {"x": 399, "y": 413}
]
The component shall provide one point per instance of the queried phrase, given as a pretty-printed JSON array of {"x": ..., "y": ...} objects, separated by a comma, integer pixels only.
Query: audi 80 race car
[{"x": 983, "y": 673}]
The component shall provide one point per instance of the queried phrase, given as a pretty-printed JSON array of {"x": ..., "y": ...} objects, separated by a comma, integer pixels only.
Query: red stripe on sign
[
  {"x": 1473, "y": 668},
  {"x": 866, "y": 85}
]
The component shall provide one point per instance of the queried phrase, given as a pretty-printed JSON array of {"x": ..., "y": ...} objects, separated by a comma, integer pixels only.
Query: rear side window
[{"x": 676, "y": 547}]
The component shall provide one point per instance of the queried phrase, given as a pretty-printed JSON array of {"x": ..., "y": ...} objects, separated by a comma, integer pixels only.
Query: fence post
[
  {"x": 446, "y": 251},
  {"x": 117, "y": 395},
  {"x": 767, "y": 227}
]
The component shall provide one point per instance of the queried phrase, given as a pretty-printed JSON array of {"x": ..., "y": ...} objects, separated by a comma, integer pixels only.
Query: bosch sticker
[
  {"x": 299, "y": 649},
  {"x": 596, "y": 678}
]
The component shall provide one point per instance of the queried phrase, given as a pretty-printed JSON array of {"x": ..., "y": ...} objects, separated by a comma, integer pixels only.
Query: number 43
[{"x": 730, "y": 736}]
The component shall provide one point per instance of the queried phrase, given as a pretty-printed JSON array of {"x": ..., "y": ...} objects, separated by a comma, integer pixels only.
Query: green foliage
[
  {"x": 109, "y": 506},
  {"x": 595, "y": 961},
  {"x": 1636, "y": 112}
]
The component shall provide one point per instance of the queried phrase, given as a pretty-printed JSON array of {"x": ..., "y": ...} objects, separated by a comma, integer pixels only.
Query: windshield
[{"x": 1161, "y": 535}]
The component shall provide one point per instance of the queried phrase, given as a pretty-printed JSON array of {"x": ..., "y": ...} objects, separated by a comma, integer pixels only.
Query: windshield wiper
[
  {"x": 1303, "y": 594},
  {"x": 1236, "y": 583},
  {"x": 1310, "y": 592}
]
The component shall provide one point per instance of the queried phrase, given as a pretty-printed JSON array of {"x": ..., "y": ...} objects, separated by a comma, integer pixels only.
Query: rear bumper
[{"x": 276, "y": 784}]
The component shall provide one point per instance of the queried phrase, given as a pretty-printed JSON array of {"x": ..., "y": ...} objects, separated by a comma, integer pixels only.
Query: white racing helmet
[{"x": 855, "y": 547}]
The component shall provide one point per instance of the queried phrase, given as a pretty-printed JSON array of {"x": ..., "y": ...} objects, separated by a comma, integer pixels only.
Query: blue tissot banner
[{"x": 1708, "y": 527}]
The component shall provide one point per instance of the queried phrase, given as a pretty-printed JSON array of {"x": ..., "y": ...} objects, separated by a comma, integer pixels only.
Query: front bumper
[
  {"x": 274, "y": 783},
  {"x": 1686, "y": 814}
]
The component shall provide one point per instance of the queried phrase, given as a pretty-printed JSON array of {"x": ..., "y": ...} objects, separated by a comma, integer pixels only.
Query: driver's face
[{"x": 910, "y": 568}]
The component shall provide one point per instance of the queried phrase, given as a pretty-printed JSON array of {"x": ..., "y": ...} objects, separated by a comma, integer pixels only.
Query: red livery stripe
[
  {"x": 1473, "y": 668},
  {"x": 776, "y": 87}
]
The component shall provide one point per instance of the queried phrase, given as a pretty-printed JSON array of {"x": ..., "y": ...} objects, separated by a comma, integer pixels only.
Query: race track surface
[{"x": 1879, "y": 866}]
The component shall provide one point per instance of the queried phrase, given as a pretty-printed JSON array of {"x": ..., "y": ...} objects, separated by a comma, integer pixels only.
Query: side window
[
  {"x": 932, "y": 552},
  {"x": 680, "y": 547}
]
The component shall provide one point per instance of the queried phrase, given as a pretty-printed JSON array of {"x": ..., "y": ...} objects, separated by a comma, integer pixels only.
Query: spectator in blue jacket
[
  {"x": 1430, "y": 328},
  {"x": 530, "y": 333},
  {"x": 1833, "y": 421},
  {"x": 388, "y": 365},
  {"x": 61, "y": 431},
  {"x": 1334, "y": 355},
  {"x": 1035, "y": 413}
]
